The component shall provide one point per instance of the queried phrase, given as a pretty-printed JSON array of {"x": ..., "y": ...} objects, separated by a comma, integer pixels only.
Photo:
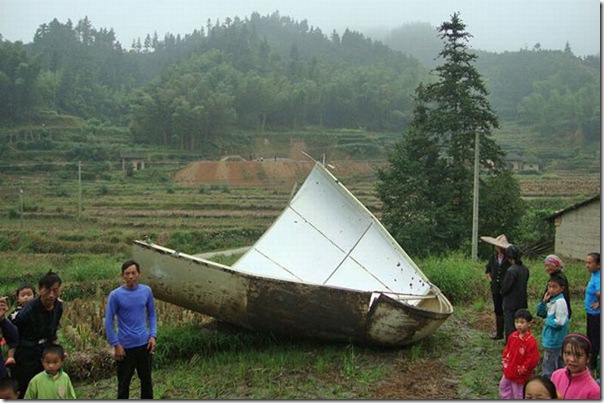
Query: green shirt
[{"x": 45, "y": 386}]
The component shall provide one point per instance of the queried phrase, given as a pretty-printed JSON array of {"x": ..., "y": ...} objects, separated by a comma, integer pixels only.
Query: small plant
[{"x": 103, "y": 190}]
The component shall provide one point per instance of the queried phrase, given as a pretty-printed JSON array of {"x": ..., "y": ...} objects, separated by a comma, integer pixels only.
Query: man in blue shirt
[
  {"x": 592, "y": 306},
  {"x": 134, "y": 343}
]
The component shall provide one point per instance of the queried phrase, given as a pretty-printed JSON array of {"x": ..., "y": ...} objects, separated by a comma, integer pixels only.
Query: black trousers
[
  {"x": 138, "y": 358},
  {"x": 593, "y": 334},
  {"x": 27, "y": 365},
  {"x": 497, "y": 304}
]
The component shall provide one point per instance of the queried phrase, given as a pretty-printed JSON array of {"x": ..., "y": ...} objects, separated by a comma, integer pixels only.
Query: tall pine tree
[{"x": 426, "y": 189}]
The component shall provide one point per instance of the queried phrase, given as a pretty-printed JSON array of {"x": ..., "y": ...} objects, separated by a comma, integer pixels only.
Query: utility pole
[
  {"x": 80, "y": 190},
  {"x": 475, "y": 201},
  {"x": 21, "y": 202}
]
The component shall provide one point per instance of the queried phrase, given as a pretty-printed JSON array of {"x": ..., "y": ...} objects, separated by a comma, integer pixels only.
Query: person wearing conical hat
[{"x": 494, "y": 272}]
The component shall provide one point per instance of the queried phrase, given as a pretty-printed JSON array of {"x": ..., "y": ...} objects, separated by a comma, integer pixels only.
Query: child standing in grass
[
  {"x": 519, "y": 358},
  {"x": 553, "y": 308},
  {"x": 53, "y": 382}
]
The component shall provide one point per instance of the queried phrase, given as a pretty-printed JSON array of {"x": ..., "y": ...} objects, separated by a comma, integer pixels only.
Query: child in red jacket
[{"x": 519, "y": 358}]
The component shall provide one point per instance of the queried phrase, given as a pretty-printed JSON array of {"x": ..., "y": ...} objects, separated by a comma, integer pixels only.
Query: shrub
[{"x": 459, "y": 278}]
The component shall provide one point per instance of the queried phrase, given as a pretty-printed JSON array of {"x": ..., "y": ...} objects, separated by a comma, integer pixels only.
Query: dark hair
[
  {"x": 523, "y": 314},
  {"x": 49, "y": 279},
  {"x": 54, "y": 349},
  {"x": 578, "y": 342},
  {"x": 561, "y": 281},
  {"x": 513, "y": 252},
  {"x": 545, "y": 381},
  {"x": 129, "y": 263},
  {"x": 25, "y": 286},
  {"x": 8, "y": 384},
  {"x": 596, "y": 256}
]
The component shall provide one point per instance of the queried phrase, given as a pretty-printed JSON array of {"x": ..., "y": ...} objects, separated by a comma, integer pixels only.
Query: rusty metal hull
[
  {"x": 289, "y": 307},
  {"x": 326, "y": 268}
]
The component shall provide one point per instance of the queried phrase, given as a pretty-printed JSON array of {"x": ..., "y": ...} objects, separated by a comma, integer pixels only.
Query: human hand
[
  {"x": 546, "y": 297},
  {"x": 3, "y": 307},
  {"x": 119, "y": 352},
  {"x": 9, "y": 361},
  {"x": 151, "y": 345},
  {"x": 595, "y": 305}
]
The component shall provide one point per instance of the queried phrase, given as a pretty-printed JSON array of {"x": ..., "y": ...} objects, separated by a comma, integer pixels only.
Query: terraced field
[{"x": 222, "y": 202}]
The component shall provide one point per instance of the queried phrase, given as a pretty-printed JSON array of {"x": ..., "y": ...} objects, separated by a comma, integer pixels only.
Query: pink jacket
[{"x": 578, "y": 386}]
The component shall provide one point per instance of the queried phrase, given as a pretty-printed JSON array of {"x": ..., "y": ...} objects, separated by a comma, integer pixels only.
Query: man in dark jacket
[
  {"x": 514, "y": 288},
  {"x": 494, "y": 272},
  {"x": 37, "y": 322}
]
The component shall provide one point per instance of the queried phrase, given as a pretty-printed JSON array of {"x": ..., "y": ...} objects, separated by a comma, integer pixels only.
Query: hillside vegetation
[{"x": 211, "y": 91}]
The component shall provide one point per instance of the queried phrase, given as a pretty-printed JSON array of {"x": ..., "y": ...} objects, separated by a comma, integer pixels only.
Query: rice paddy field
[{"x": 83, "y": 229}]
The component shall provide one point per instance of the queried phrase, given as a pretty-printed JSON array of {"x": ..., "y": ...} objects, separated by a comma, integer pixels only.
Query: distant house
[
  {"x": 135, "y": 160},
  {"x": 518, "y": 163},
  {"x": 577, "y": 228}
]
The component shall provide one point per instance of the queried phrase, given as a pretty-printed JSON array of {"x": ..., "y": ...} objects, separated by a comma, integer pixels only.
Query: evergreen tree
[{"x": 426, "y": 189}]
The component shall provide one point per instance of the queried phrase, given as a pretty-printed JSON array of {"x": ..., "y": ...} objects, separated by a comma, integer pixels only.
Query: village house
[
  {"x": 518, "y": 163},
  {"x": 577, "y": 229},
  {"x": 135, "y": 160}
]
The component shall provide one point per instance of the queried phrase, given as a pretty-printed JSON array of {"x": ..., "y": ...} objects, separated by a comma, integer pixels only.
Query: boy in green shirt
[{"x": 53, "y": 382}]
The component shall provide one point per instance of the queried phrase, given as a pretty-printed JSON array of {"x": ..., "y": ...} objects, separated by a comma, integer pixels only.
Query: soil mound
[{"x": 261, "y": 172}]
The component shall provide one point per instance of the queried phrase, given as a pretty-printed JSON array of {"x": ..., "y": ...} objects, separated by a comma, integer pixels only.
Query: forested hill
[{"x": 270, "y": 73}]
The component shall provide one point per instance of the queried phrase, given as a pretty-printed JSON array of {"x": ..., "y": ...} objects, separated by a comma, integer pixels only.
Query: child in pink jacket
[{"x": 575, "y": 381}]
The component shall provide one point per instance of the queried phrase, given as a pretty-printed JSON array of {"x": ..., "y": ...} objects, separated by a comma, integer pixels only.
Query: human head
[
  {"x": 26, "y": 292},
  {"x": 129, "y": 263},
  {"x": 592, "y": 262},
  {"x": 513, "y": 253},
  {"x": 52, "y": 358},
  {"x": 50, "y": 289},
  {"x": 502, "y": 243},
  {"x": 556, "y": 285},
  {"x": 131, "y": 271},
  {"x": 576, "y": 352},
  {"x": 539, "y": 387},
  {"x": 553, "y": 264},
  {"x": 523, "y": 320},
  {"x": 9, "y": 389}
]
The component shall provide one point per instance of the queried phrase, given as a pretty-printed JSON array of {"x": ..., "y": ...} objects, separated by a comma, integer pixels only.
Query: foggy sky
[{"x": 495, "y": 25}]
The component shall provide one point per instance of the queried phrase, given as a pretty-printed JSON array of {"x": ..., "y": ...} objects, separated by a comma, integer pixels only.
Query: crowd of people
[
  {"x": 568, "y": 359},
  {"x": 35, "y": 357}
]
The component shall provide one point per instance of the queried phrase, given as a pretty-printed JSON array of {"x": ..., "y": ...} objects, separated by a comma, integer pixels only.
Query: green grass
[{"x": 198, "y": 361}]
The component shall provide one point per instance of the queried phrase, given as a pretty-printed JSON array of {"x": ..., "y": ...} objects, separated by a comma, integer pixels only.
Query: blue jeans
[{"x": 552, "y": 360}]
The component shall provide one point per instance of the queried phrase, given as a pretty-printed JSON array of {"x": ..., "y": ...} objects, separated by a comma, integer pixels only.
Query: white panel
[
  {"x": 259, "y": 265},
  {"x": 321, "y": 201},
  {"x": 295, "y": 245},
  {"x": 351, "y": 275},
  {"x": 385, "y": 262},
  {"x": 327, "y": 237}
]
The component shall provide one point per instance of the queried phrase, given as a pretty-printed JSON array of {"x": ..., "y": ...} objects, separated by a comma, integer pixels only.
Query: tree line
[{"x": 269, "y": 73}]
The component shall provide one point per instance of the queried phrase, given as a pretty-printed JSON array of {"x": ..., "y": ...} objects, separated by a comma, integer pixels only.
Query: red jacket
[{"x": 520, "y": 357}]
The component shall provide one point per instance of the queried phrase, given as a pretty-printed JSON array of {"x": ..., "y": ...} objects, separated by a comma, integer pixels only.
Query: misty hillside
[{"x": 274, "y": 74}]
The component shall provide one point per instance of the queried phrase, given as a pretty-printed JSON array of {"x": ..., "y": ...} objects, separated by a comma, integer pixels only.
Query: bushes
[{"x": 459, "y": 278}]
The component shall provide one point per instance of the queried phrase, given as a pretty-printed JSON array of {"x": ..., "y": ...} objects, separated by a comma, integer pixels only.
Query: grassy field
[{"x": 86, "y": 238}]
